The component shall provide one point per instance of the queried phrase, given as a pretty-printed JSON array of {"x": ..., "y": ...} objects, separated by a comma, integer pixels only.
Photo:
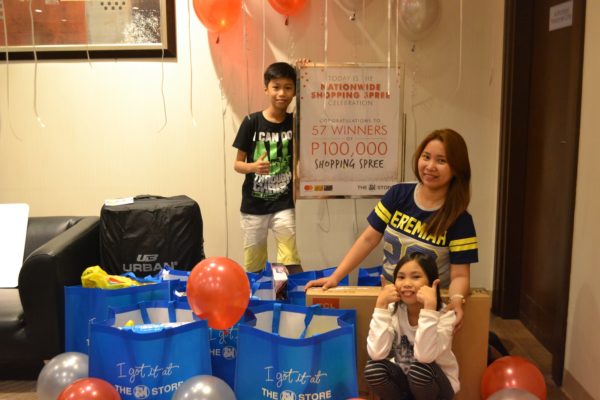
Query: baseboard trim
[{"x": 573, "y": 389}]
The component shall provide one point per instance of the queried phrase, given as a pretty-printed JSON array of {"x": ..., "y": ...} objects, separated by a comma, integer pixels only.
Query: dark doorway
[{"x": 538, "y": 170}]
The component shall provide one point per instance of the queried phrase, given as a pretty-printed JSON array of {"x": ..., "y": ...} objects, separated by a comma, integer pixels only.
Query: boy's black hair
[
  {"x": 279, "y": 70},
  {"x": 429, "y": 267}
]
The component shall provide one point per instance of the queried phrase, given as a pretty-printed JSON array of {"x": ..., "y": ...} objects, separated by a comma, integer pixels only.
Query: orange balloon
[
  {"x": 218, "y": 15},
  {"x": 287, "y": 7},
  {"x": 89, "y": 389},
  {"x": 218, "y": 291},
  {"x": 513, "y": 372}
]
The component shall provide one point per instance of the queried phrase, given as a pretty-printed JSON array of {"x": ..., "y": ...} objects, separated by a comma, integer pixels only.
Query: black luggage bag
[{"x": 152, "y": 232}]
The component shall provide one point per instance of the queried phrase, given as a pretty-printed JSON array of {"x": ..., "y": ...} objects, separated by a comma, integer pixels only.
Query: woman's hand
[
  {"x": 427, "y": 295},
  {"x": 389, "y": 294},
  {"x": 325, "y": 283},
  {"x": 456, "y": 306},
  {"x": 460, "y": 277}
]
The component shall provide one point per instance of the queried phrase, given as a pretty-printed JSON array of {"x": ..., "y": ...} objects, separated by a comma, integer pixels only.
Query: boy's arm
[{"x": 260, "y": 166}]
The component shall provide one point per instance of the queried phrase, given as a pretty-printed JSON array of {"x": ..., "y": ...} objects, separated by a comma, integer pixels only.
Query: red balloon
[
  {"x": 287, "y": 7},
  {"x": 218, "y": 15},
  {"x": 218, "y": 291},
  {"x": 513, "y": 372},
  {"x": 88, "y": 389}
]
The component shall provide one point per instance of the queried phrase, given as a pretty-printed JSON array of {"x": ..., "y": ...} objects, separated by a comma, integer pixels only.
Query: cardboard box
[{"x": 470, "y": 343}]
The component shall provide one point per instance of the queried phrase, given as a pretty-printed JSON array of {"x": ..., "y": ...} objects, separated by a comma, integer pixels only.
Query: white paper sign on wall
[
  {"x": 561, "y": 16},
  {"x": 350, "y": 130}
]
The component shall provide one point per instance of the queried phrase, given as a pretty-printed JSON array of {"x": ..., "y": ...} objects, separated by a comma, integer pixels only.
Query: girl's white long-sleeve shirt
[{"x": 392, "y": 337}]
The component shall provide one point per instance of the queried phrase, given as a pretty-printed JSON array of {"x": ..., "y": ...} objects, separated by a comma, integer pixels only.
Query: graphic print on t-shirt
[
  {"x": 277, "y": 145},
  {"x": 405, "y": 354}
]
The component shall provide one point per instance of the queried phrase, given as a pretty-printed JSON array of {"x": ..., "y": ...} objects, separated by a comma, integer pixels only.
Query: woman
[{"x": 429, "y": 216}]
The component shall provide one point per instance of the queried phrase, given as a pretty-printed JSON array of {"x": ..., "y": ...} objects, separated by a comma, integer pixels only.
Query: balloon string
[
  {"x": 460, "y": 49},
  {"x": 87, "y": 53},
  {"x": 223, "y": 112},
  {"x": 35, "y": 68},
  {"x": 397, "y": 36},
  {"x": 162, "y": 90},
  {"x": 326, "y": 32},
  {"x": 325, "y": 45},
  {"x": 245, "y": 52},
  {"x": 6, "y": 60},
  {"x": 389, "y": 44},
  {"x": 322, "y": 211},
  {"x": 355, "y": 220},
  {"x": 291, "y": 46},
  {"x": 264, "y": 36},
  {"x": 191, "y": 69}
]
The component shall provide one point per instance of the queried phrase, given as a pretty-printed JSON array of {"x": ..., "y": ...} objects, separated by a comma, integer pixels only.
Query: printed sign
[
  {"x": 350, "y": 130},
  {"x": 560, "y": 16}
]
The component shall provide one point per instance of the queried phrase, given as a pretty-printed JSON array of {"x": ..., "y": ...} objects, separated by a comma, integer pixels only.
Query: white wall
[
  {"x": 104, "y": 134},
  {"x": 582, "y": 355}
]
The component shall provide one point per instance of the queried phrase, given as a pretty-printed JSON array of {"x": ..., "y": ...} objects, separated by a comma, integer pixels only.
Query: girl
[
  {"x": 428, "y": 216},
  {"x": 408, "y": 327}
]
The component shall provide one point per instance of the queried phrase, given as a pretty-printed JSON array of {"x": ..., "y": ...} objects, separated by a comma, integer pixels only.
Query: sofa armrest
[{"x": 57, "y": 263}]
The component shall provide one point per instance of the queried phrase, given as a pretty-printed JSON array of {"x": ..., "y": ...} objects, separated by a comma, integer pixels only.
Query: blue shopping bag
[
  {"x": 223, "y": 353},
  {"x": 290, "y": 352},
  {"x": 84, "y": 305},
  {"x": 223, "y": 347},
  {"x": 167, "y": 345},
  {"x": 178, "y": 280},
  {"x": 370, "y": 276},
  {"x": 297, "y": 282},
  {"x": 262, "y": 290}
]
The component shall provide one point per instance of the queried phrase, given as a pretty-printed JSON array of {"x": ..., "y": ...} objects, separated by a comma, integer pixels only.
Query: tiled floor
[
  {"x": 515, "y": 337},
  {"x": 520, "y": 342}
]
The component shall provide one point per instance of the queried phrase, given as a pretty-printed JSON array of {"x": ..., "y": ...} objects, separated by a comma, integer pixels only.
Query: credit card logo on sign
[{"x": 318, "y": 188}]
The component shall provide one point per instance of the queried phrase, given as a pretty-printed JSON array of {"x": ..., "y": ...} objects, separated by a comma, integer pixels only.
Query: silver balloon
[
  {"x": 417, "y": 16},
  {"x": 204, "y": 387},
  {"x": 59, "y": 373},
  {"x": 512, "y": 394}
]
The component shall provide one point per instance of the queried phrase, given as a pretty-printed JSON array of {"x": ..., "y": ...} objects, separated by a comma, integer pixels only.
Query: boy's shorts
[{"x": 255, "y": 229}]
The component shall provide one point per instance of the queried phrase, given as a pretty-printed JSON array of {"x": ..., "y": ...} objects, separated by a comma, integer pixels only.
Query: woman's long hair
[{"x": 459, "y": 190}]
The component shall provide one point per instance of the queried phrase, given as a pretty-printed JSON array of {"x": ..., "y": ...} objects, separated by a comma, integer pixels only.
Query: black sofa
[{"x": 57, "y": 250}]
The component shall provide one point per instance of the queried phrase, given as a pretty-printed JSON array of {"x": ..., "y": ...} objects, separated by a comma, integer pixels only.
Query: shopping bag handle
[
  {"x": 308, "y": 318},
  {"x": 276, "y": 318}
]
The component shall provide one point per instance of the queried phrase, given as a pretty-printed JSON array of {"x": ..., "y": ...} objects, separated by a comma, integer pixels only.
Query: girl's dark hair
[
  {"x": 459, "y": 191},
  {"x": 429, "y": 267},
  {"x": 279, "y": 70}
]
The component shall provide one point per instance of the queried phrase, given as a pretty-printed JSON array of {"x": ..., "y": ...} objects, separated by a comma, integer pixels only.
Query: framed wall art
[{"x": 70, "y": 29}]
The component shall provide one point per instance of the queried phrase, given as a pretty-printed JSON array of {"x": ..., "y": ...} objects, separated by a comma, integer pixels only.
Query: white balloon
[
  {"x": 204, "y": 387},
  {"x": 512, "y": 394},
  {"x": 60, "y": 372},
  {"x": 417, "y": 16}
]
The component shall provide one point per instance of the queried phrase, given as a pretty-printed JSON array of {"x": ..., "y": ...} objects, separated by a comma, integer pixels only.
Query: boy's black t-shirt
[{"x": 266, "y": 194}]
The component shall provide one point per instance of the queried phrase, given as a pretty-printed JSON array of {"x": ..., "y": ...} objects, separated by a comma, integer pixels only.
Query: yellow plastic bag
[{"x": 96, "y": 277}]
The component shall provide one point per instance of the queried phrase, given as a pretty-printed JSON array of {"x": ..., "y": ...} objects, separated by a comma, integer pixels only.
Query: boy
[{"x": 265, "y": 153}]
